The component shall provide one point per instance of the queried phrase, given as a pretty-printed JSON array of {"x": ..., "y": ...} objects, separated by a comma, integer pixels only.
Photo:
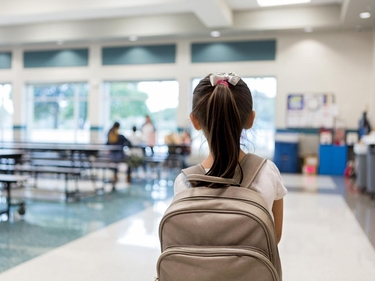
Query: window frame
[{"x": 76, "y": 98}]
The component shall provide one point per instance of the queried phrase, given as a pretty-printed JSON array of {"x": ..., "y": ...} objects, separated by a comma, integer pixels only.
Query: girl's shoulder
[
  {"x": 268, "y": 167},
  {"x": 268, "y": 170},
  {"x": 270, "y": 178},
  {"x": 271, "y": 167}
]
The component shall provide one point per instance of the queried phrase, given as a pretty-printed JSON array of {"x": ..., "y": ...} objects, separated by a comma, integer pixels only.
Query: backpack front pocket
[{"x": 214, "y": 264}]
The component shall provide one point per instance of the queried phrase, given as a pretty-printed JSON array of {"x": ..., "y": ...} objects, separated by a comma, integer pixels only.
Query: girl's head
[{"x": 222, "y": 108}]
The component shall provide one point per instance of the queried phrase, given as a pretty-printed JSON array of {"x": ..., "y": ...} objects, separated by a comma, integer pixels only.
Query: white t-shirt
[
  {"x": 135, "y": 140},
  {"x": 268, "y": 184}
]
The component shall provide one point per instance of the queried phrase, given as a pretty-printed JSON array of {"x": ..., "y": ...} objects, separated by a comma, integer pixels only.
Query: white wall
[{"x": 338, "y": 62}]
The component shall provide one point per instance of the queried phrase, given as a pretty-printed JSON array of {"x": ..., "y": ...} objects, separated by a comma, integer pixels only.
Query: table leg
[{"x": 7, "y": 187}]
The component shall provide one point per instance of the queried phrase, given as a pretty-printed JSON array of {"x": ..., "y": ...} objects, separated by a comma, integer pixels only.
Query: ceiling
[{"x": 51, "y": 21}]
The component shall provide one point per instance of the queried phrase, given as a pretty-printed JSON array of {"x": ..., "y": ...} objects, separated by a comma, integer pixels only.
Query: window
[
  {"x": 260, "y": 138},
  {"x": 6, "y": 113},
  {"x": 129, "y": 102},
  {"x": 262, "y": 135},
  {"x": 58, "y": 113}
]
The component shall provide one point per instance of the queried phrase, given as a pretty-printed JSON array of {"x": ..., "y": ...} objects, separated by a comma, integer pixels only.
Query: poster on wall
[{"x": 311, "y": 110}]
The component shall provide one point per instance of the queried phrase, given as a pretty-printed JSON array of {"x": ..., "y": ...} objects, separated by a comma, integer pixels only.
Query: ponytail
[{"x": 224, "y": 129}]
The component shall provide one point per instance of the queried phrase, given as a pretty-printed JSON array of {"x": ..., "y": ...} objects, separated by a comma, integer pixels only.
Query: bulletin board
[{"x": 311, "y": 110}]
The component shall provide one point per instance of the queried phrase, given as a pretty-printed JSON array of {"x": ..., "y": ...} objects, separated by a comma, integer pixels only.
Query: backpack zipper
[
  {"x": 200, "y": 211},
  {"x": 250, "y": 248},
  {"x": 219, "y": 251},
  {"x": 227, "y": 198}
]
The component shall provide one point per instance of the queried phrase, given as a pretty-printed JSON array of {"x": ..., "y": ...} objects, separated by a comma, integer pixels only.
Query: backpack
[{"x": 219, "y": 234}]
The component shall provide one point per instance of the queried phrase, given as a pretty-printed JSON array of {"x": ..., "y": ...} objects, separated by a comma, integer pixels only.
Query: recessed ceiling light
[
  {"x": 266, "y": 3},
  {"x": 133, "y": 38},
  {"x": 308, "y": 29},
  {"x": 364, "y": 15},
  {"x": 215, "y": 33}
]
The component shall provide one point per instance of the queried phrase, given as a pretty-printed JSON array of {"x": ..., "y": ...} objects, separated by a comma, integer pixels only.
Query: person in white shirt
[
  {"x": 148, "y": 133},
  {"x": 136, "y": 143}
]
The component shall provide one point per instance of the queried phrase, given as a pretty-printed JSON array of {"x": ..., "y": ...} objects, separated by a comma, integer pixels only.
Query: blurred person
[
  {"x": 134, "y": 138},
  {"x": 364, "y": 125},
  {"x": 117, "y": 156},
  {"x": 148, "y": 133},
  {"x": 136, "y": 151},
  {"x": 186, "y": 142}
]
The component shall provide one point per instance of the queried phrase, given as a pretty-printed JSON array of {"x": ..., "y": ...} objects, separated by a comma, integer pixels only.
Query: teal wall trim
[
  {"x": 233, "y": 51},
  {"x": 5, "y": 60},
  {"x": 308, "y": 131},
  {"x": 56, "y": 58},
  {"x": 139, "y": 55},
  {"x": 96, "y": 128},
  {"x": 19, "y": 127}
]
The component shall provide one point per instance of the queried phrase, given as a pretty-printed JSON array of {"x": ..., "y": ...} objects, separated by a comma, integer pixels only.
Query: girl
[{"x": 222, "y": 108}]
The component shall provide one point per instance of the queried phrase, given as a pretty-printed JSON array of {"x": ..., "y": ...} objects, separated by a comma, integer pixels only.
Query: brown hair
[
  {"x": 113, "y": 133},
  {"x": 222, "y": 112}
]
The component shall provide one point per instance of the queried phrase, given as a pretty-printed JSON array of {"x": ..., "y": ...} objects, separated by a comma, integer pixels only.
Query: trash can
[
  {"x": 371, "y": 169},
  {"x": 286, "y": 152},
  {"x": 360, "y": 150},
  {"x": 369, "y": 140}
]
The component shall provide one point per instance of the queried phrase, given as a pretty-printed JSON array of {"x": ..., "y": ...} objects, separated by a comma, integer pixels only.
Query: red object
[{"x": 349, "y": 171}]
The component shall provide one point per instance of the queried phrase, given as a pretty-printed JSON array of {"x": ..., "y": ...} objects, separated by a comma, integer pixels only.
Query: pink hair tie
[{"x": 223, "y": 82}]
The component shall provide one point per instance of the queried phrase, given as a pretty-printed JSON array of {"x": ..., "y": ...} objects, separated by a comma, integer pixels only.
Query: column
[
  {"x": 95, "y": 99},
  {"x": 19, "y": 96}
]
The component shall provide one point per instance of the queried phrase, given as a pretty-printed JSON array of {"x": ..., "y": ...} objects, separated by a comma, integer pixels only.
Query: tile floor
[{"x": 329, "y": 234}]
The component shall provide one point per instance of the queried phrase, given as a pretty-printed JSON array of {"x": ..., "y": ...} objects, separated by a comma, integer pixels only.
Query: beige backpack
[{"x": 219, "y": 234}]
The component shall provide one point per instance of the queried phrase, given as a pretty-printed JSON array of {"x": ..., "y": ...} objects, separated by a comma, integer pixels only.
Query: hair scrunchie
[{"x": 224, "y": 78}]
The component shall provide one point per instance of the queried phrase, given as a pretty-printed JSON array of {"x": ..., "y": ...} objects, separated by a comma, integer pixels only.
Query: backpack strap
[
  {"x": 198, "y": 174},
  {"x": 196, "y": 169},
  {"x": 251, "y": 166}
]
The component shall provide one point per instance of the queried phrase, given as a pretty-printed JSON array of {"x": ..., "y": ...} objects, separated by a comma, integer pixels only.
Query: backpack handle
[
  {"x": 211, "y": 179},
  {"x": 251, "y": 165}
]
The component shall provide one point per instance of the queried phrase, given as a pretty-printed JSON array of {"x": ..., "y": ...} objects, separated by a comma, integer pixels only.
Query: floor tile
[
  {"x": 126, "y": 250},
  {"x": 322, "y": 240},
  {"x": 328, "y": 230},
  {"x": 50, "y": 224},
  {"x": 308, "y": 182}
]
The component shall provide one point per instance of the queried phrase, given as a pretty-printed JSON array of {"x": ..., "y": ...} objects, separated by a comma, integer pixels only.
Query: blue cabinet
[
  {"x": 332, "y": 159},
  {"x": 286, "y": 157}
]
